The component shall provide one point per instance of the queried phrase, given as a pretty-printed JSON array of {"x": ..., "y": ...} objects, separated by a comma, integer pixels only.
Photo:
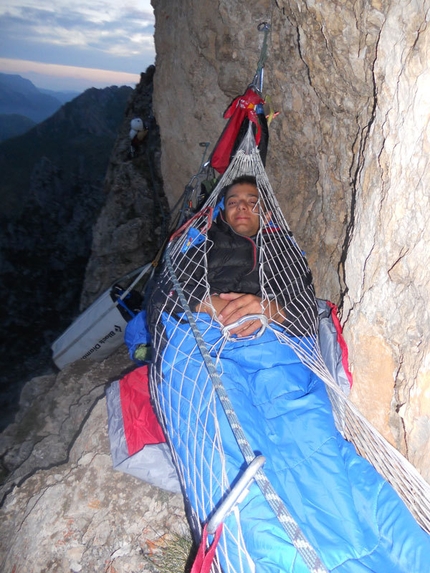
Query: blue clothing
[{"x": 352, "y": 517}]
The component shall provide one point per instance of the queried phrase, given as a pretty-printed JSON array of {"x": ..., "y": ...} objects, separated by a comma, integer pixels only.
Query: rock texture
[
  {"x": 135, "y": 218},
  {"x": 348, "y": 158},
  {"x": 72, "y": 511},
  {"x": 348, "y": 161},
  {"x": 388, "y": 259}
]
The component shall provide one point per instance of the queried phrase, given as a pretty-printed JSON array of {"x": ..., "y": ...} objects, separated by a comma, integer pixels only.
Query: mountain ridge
[
  {"x": 20, "y": 96},
  {"x": 51, "y": 193},
  {"x": 12, "y": 125},
  {"x": 78, "y": 134},
  {"x": 22, "y": 104}
]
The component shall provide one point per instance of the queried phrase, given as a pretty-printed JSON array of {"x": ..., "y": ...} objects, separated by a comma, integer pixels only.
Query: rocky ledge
[{"x": 64, "y": 508}]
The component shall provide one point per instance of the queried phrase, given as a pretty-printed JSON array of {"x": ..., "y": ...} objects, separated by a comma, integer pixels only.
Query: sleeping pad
[{"x": 351, "y": 516}]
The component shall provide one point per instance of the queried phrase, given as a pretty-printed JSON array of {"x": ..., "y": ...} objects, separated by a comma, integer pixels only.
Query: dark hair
[{"x": 241, "y": 180}]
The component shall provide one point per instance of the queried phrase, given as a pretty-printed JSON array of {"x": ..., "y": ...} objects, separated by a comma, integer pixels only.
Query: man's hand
[
  {"x": 237, "y": 306},
  {"x": 231, "y": 306}
]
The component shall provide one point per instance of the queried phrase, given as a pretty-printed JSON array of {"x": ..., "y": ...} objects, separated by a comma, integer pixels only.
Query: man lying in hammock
[
  {"x": 247, "y": 266},
  {"x": 233, "y": 272},
  {"x": 237, "y": 258}
]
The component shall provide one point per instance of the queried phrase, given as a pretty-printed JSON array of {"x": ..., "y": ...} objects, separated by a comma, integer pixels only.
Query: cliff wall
[{"x": 348, "y": 159}]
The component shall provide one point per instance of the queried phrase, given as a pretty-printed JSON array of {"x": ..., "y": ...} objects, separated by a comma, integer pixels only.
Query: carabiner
[
  {"x": 238, "y": 492},
  {"x": 263, "y": 27}
]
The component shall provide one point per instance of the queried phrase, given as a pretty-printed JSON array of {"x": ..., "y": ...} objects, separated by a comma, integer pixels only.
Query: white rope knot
[{"x": 261, "y": 317}]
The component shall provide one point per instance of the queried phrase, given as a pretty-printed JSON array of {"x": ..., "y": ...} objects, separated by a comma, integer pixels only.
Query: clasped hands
[{"x": 232, "y": 306}]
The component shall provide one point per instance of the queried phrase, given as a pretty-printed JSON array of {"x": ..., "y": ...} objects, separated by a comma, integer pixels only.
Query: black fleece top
[
  {"x": 232, "y": 266},
  {"x": 232, "y": 261}
]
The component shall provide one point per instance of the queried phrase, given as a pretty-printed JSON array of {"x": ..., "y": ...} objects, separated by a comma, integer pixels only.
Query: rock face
[
  {"x": 348, "y": 159},
  {"x": 72, "y": 511},
  {"x": 135, "y": 218}
]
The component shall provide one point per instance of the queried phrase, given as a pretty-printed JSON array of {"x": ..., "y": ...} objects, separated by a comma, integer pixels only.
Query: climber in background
[{"x": 138, "y": 132}]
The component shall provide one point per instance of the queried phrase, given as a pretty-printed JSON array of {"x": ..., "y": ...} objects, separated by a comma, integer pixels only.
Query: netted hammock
[{"x": 198, "y": 430}]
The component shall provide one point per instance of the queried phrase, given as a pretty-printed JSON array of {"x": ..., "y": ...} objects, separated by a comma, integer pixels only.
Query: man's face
[{"x": 241, "y": 209}]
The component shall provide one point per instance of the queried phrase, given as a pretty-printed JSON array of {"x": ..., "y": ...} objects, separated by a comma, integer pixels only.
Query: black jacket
[{"x": 232, "y": 263}]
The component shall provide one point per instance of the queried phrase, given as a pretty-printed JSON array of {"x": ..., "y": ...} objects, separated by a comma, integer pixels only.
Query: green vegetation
[{"x": 174, "y": 554}]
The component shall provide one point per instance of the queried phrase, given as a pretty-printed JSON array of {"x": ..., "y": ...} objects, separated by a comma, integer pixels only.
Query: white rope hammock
[{"x": 197, "y": 431}]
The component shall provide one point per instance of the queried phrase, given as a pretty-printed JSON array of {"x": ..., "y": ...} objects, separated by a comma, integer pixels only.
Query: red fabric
[
  {"x": 141, "y": 426},
  {"x": 341, "y": 341},
  {"x": 204, "y": 559},
  {"x": 242, "y": 107}
]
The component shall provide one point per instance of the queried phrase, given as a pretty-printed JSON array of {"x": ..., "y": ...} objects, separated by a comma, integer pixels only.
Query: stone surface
[
  {"x": 84, "y": 516},
  {"x": 135, "y": 218},
  {"x": 388, "y": 262},
  {"x": 64, "y": 507},
  {"x": 348, "y": 159},
  {"x": 53, "y": 412}
]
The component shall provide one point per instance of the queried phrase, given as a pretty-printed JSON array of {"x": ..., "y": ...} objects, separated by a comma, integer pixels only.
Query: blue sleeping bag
[{"x": 352, "y": 517}]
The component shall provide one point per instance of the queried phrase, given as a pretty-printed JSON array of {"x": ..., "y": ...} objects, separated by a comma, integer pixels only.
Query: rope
[
  {"x": 190, "y": 188},
  {"x": 293, "y": 531},
  {"x": 187, "y": 396}
]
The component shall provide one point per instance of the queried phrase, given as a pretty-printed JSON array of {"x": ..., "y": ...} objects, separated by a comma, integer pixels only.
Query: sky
[{"x": 72, "y": 45}]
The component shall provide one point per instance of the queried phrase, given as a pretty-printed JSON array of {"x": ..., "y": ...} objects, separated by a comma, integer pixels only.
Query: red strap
[
  {"x": 242, "y": 107},
  {"x": 341, "y": 341},
  {"x": 204, "y": 559}
]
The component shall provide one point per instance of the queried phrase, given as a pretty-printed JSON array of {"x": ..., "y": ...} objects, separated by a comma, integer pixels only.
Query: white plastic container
[
  {"x": 97, "y": 332},
  {"x": 94, "y": 335}
]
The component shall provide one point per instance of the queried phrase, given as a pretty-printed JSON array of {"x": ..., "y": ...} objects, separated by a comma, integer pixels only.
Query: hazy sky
[{"x": 76, "y": 44}]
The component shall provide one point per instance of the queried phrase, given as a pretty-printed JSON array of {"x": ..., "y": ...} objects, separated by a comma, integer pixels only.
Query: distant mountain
[
  {"x": 64, "y": 97},
  {"x": 22, "y": 105},
  {"x": 13, "y": 125},
  {"x": 51, "y": 194},
  {"x": 76, "y": 140},
  {"x": 21, "y": 96}
]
